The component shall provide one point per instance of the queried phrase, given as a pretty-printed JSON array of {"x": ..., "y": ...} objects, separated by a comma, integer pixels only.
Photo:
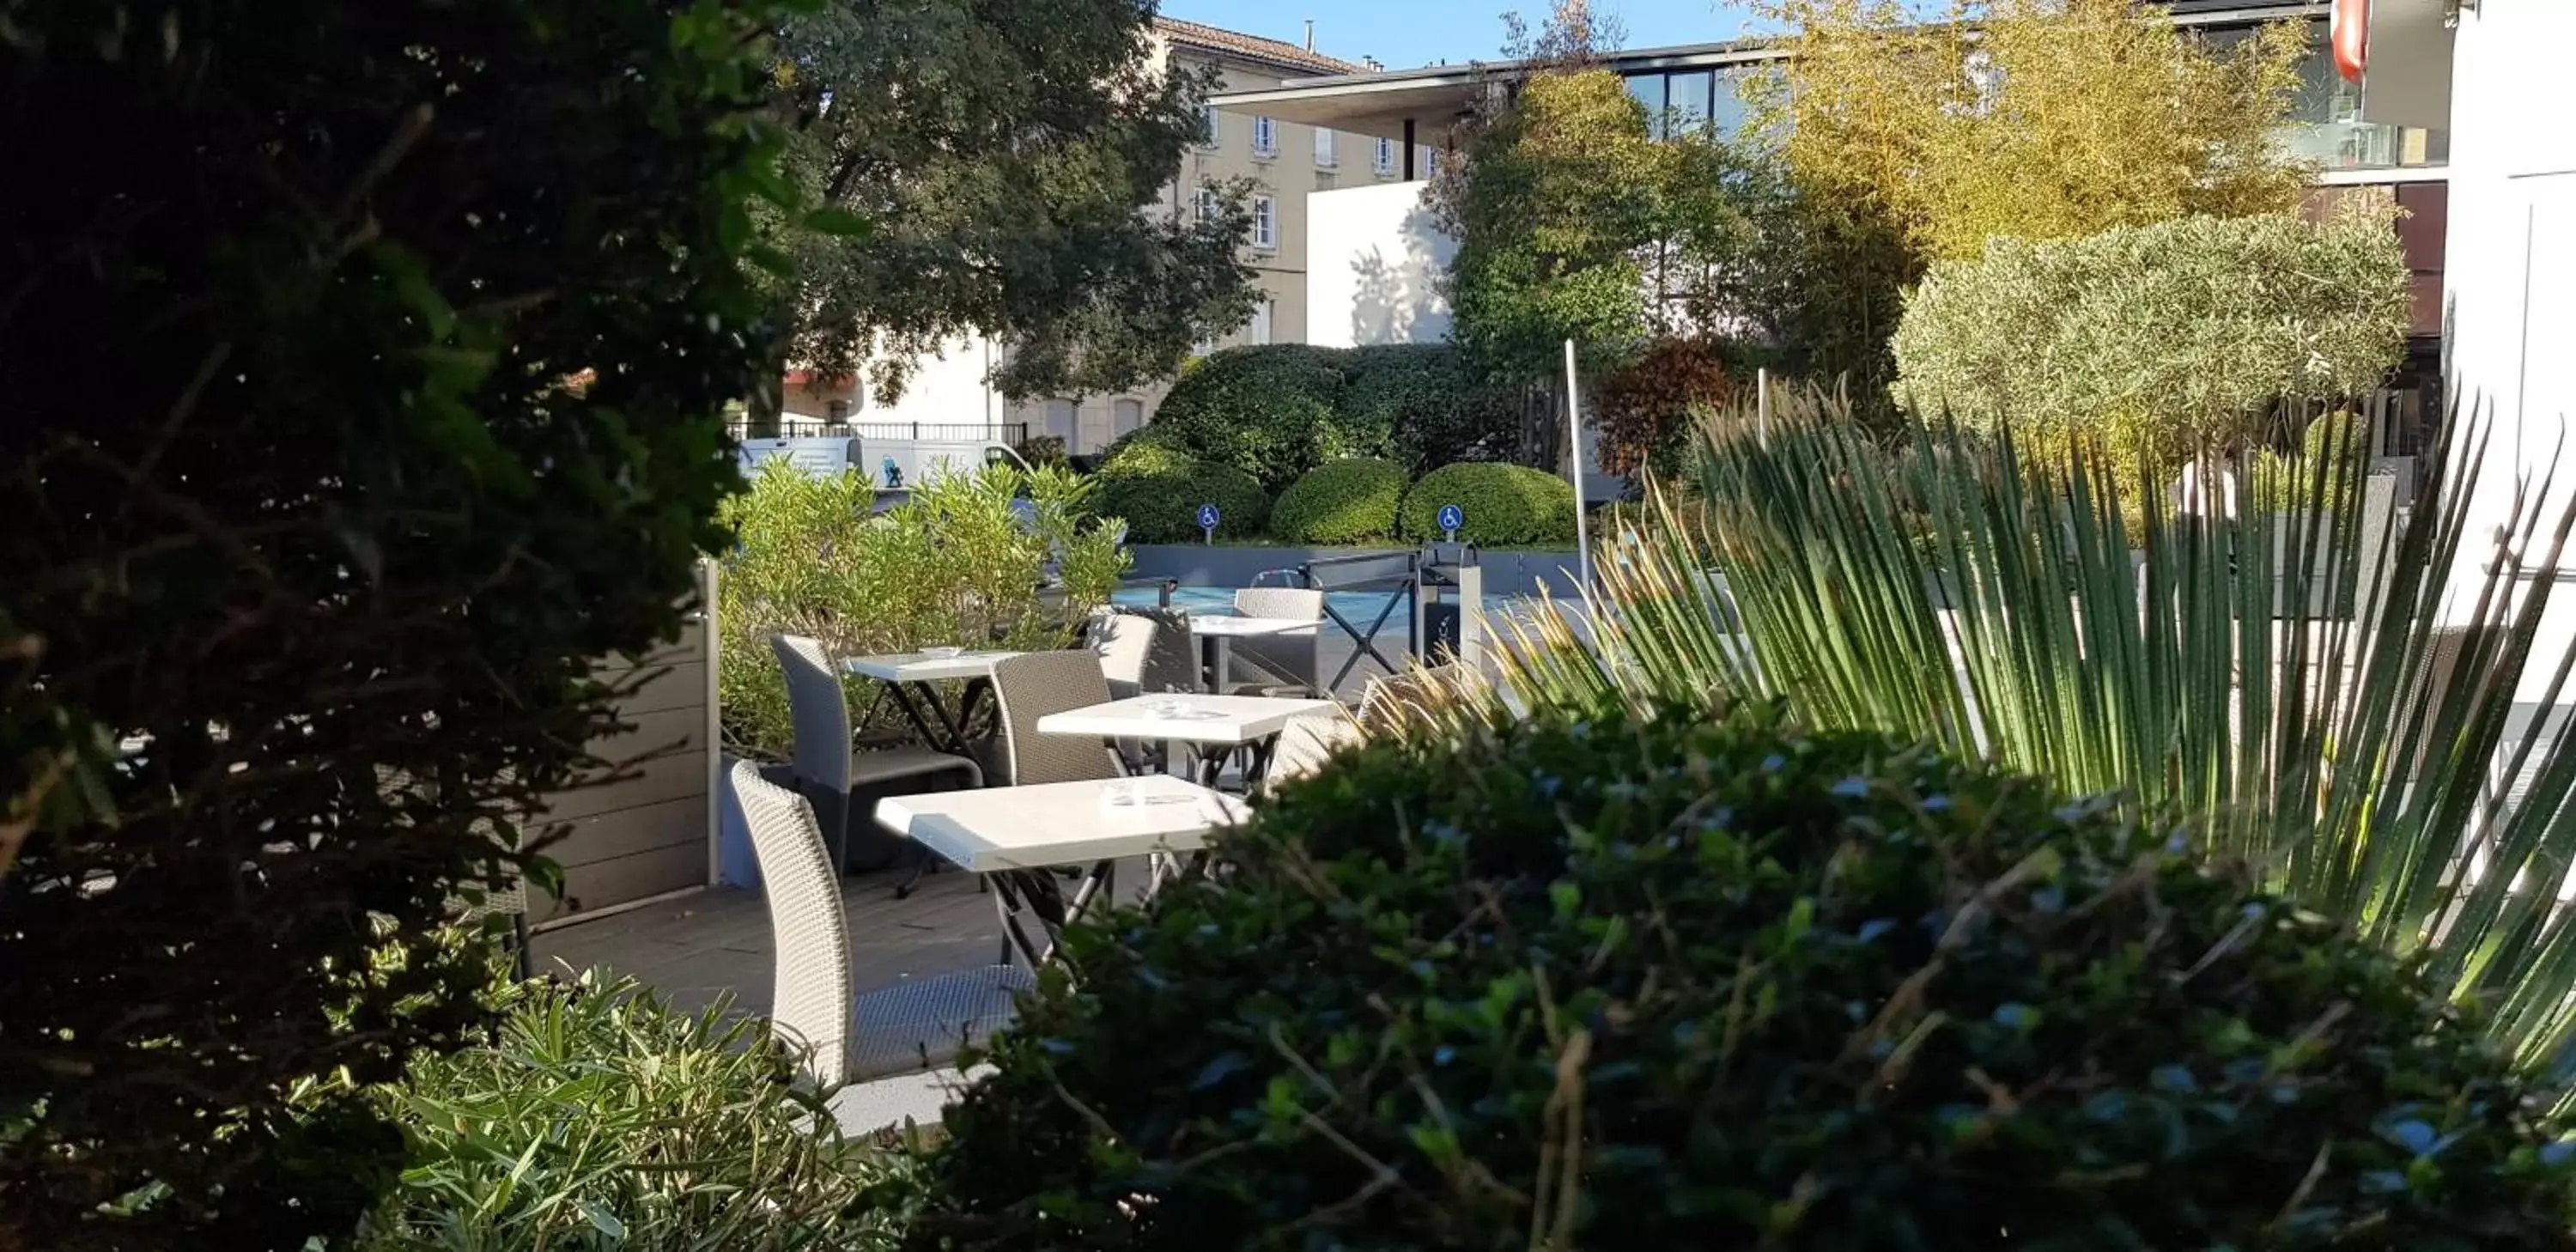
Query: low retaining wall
[{"x": 1198, "y": 565}]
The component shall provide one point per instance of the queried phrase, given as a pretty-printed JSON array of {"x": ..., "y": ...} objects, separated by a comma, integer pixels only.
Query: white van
[{"x": 892, "y": 465}]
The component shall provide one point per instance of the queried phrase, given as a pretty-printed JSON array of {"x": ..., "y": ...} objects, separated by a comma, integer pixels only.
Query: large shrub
[
  {"x": 1350, "y": 501},
  {"x": 2161, "y": 339},
  {"x": 598, "y": 1115},
  {"x": 1689, "y": 984},
  {"x": 360, "y": 379},
  {"x": 1505, "y": 504},
  {"x": 955, "y": 563},
  {"x": 1157, "y": 490},
  {"x": 1273, "y": 412},
  {"x": 1428, "y": 400},
  {"x": 1645, "y": 408}
]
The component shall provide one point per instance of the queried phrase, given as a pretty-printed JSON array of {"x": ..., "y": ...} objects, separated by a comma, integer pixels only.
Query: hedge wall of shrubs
[
  {"x": 1694, "y": 984},
  {"x": 1506, "y": 505},
  {"x": 1341, "y": 502},
  {"x": 1157, "y": 491},
  {"x": 1278, "y": 411}
]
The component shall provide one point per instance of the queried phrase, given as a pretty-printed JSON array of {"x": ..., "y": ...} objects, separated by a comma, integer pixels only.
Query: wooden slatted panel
[{"x": 643, "y": 832}]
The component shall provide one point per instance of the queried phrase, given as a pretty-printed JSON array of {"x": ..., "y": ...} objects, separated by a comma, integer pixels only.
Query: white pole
[
  {"x": 1574, "y": 430},
  {"x": 1762, "y": 407}
]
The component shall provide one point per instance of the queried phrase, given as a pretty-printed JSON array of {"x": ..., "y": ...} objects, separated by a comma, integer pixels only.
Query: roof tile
[{"x": 1278, "y": 52}]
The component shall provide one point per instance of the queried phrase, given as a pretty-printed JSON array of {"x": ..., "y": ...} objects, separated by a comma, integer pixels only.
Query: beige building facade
[{"x": 1282, "y": 160}]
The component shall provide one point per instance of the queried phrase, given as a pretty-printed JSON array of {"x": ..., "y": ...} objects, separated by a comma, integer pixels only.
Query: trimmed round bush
[
  {"x": 1504, "y": 504},
  {"x": 1157, "y": 491},
  {"x": 1273, "y": 412},
  {"x": 1352, "y": 501},
  {"x": 1694, "y": 983}
]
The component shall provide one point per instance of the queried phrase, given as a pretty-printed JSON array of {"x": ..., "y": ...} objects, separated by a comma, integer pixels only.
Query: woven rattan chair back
[
  {"x": 1032, "y": 685},
  {"x": 820, "y": 710},
  {"x": 810, "y": 935}
]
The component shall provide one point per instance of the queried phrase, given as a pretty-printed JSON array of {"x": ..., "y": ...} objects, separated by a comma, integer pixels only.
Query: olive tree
[{"x": 2160, "y": 339}]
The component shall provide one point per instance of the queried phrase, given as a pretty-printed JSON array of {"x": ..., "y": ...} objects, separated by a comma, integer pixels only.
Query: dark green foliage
[
  {"x": 1426, "y": 398},
  {"x": 557, "y": 1127},
  {"x": 1273, "y": 412},
  {"x": 1505, "y": 504},
  {"x": 1686, "y": 983},
  {"x": 1040, "y": 450},
  {"x": 1350, "y": 501},
  {"x": 1004, "y": 157},
  {"x": 360, "y": 377},
  {"x": 1157, "y": 491}
]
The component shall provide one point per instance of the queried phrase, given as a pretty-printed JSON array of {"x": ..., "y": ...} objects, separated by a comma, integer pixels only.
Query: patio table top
[
  {"x": 921, "y": 667},
  {"x": 1071, "y": 823},
  {"x": 1183, "y": 719}
]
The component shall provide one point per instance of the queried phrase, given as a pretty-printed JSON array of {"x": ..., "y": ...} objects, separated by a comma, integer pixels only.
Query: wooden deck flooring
[{"x": 699, "y": 947}]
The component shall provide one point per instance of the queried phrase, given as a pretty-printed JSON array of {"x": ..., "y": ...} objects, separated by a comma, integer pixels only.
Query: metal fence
[{"x": 1009, "y": 434}]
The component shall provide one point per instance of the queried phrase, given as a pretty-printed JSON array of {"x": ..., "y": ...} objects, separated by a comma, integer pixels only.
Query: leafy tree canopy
[
  {"x": 1011, "y": 164},
  {"x": 360, "y": 366},
  {"x": 1908, "y": 142}
]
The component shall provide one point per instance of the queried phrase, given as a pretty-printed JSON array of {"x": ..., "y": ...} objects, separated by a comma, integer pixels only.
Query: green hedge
[
  {"x": 1504, "y": 504},
  {"x": 1279, "y": 410},
  {"x": 1350, "y": 501},
  {"x": 1272, "y": 412},
  {"x": 1691, "y": 984},
  {"x": 1427, "y": 401},
  {"x": 1157, "y": 491}
]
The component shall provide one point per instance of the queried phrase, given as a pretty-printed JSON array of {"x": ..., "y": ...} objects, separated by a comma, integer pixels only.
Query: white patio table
[
  {"x": 913, "y": 678},
  {"x": 1019, "y": 835},
  {"x": 1199, "y": 722},
  {"x": 1220, "y": 630}
]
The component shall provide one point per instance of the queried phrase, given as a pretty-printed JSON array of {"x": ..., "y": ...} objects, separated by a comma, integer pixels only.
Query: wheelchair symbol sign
[{"x": 1452, "y": 518}]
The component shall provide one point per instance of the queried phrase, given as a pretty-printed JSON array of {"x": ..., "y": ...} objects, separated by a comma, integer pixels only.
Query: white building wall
[
  {"x": 2510, "y": 273},
  {"x": 947, "y": 388},
  {"x": 1373, "y": 264}
]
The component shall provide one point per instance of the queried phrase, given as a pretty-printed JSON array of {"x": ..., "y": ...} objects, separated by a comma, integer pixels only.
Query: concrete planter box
[{"x": 1513, "y": 573}]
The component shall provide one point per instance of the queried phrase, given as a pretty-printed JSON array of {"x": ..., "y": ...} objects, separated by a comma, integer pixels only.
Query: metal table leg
[{"x": 1036, "y": 895}]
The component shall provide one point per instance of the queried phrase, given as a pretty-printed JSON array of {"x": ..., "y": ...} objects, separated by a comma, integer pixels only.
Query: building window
[
  {"x": 1265, "y": 223},
  {"x": 1431, "y": 163},
  {"x": 1208, "y": 132},
  {"x": 1060, "y": 419},
  {"x": 1261, "y": 322},
  {"x": 837, "y": 412},
  {"x": 1323, "y": 147},
  {"x": 1204, "y": 204},
  {"x": 1265, "y": 137},
  {"x": 1125, "y": 416},
  {"x": 1386, "y": 156}
]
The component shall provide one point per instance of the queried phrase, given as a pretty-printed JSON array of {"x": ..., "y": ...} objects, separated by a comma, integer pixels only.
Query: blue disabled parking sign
[
  {"x": 1207, "y": 520},
  {"x": 1452, "y": 518}
]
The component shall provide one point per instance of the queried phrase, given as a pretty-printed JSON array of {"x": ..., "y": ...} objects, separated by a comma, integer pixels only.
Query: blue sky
[{"x": 1406, "y": 33}]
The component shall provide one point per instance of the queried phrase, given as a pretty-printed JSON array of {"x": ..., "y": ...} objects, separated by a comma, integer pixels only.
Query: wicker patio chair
[
  {"x": 1306, "y": 742},
  {"x": 1294, "y": 664},
  {"x": 1396, "y": 698},
  {"x": 1145, "y": 651},
  {"x": 826, "y": 766},
  {"x": 1032, "y": 685},
  {"x": 913, "y": 1026}
]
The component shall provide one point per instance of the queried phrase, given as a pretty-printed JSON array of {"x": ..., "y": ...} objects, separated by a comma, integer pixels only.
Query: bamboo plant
[{"x": 2331, "y": 700}]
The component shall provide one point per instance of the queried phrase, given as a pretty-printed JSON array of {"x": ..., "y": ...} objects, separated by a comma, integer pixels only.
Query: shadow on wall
[{"x": 1399, "y": 300}]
